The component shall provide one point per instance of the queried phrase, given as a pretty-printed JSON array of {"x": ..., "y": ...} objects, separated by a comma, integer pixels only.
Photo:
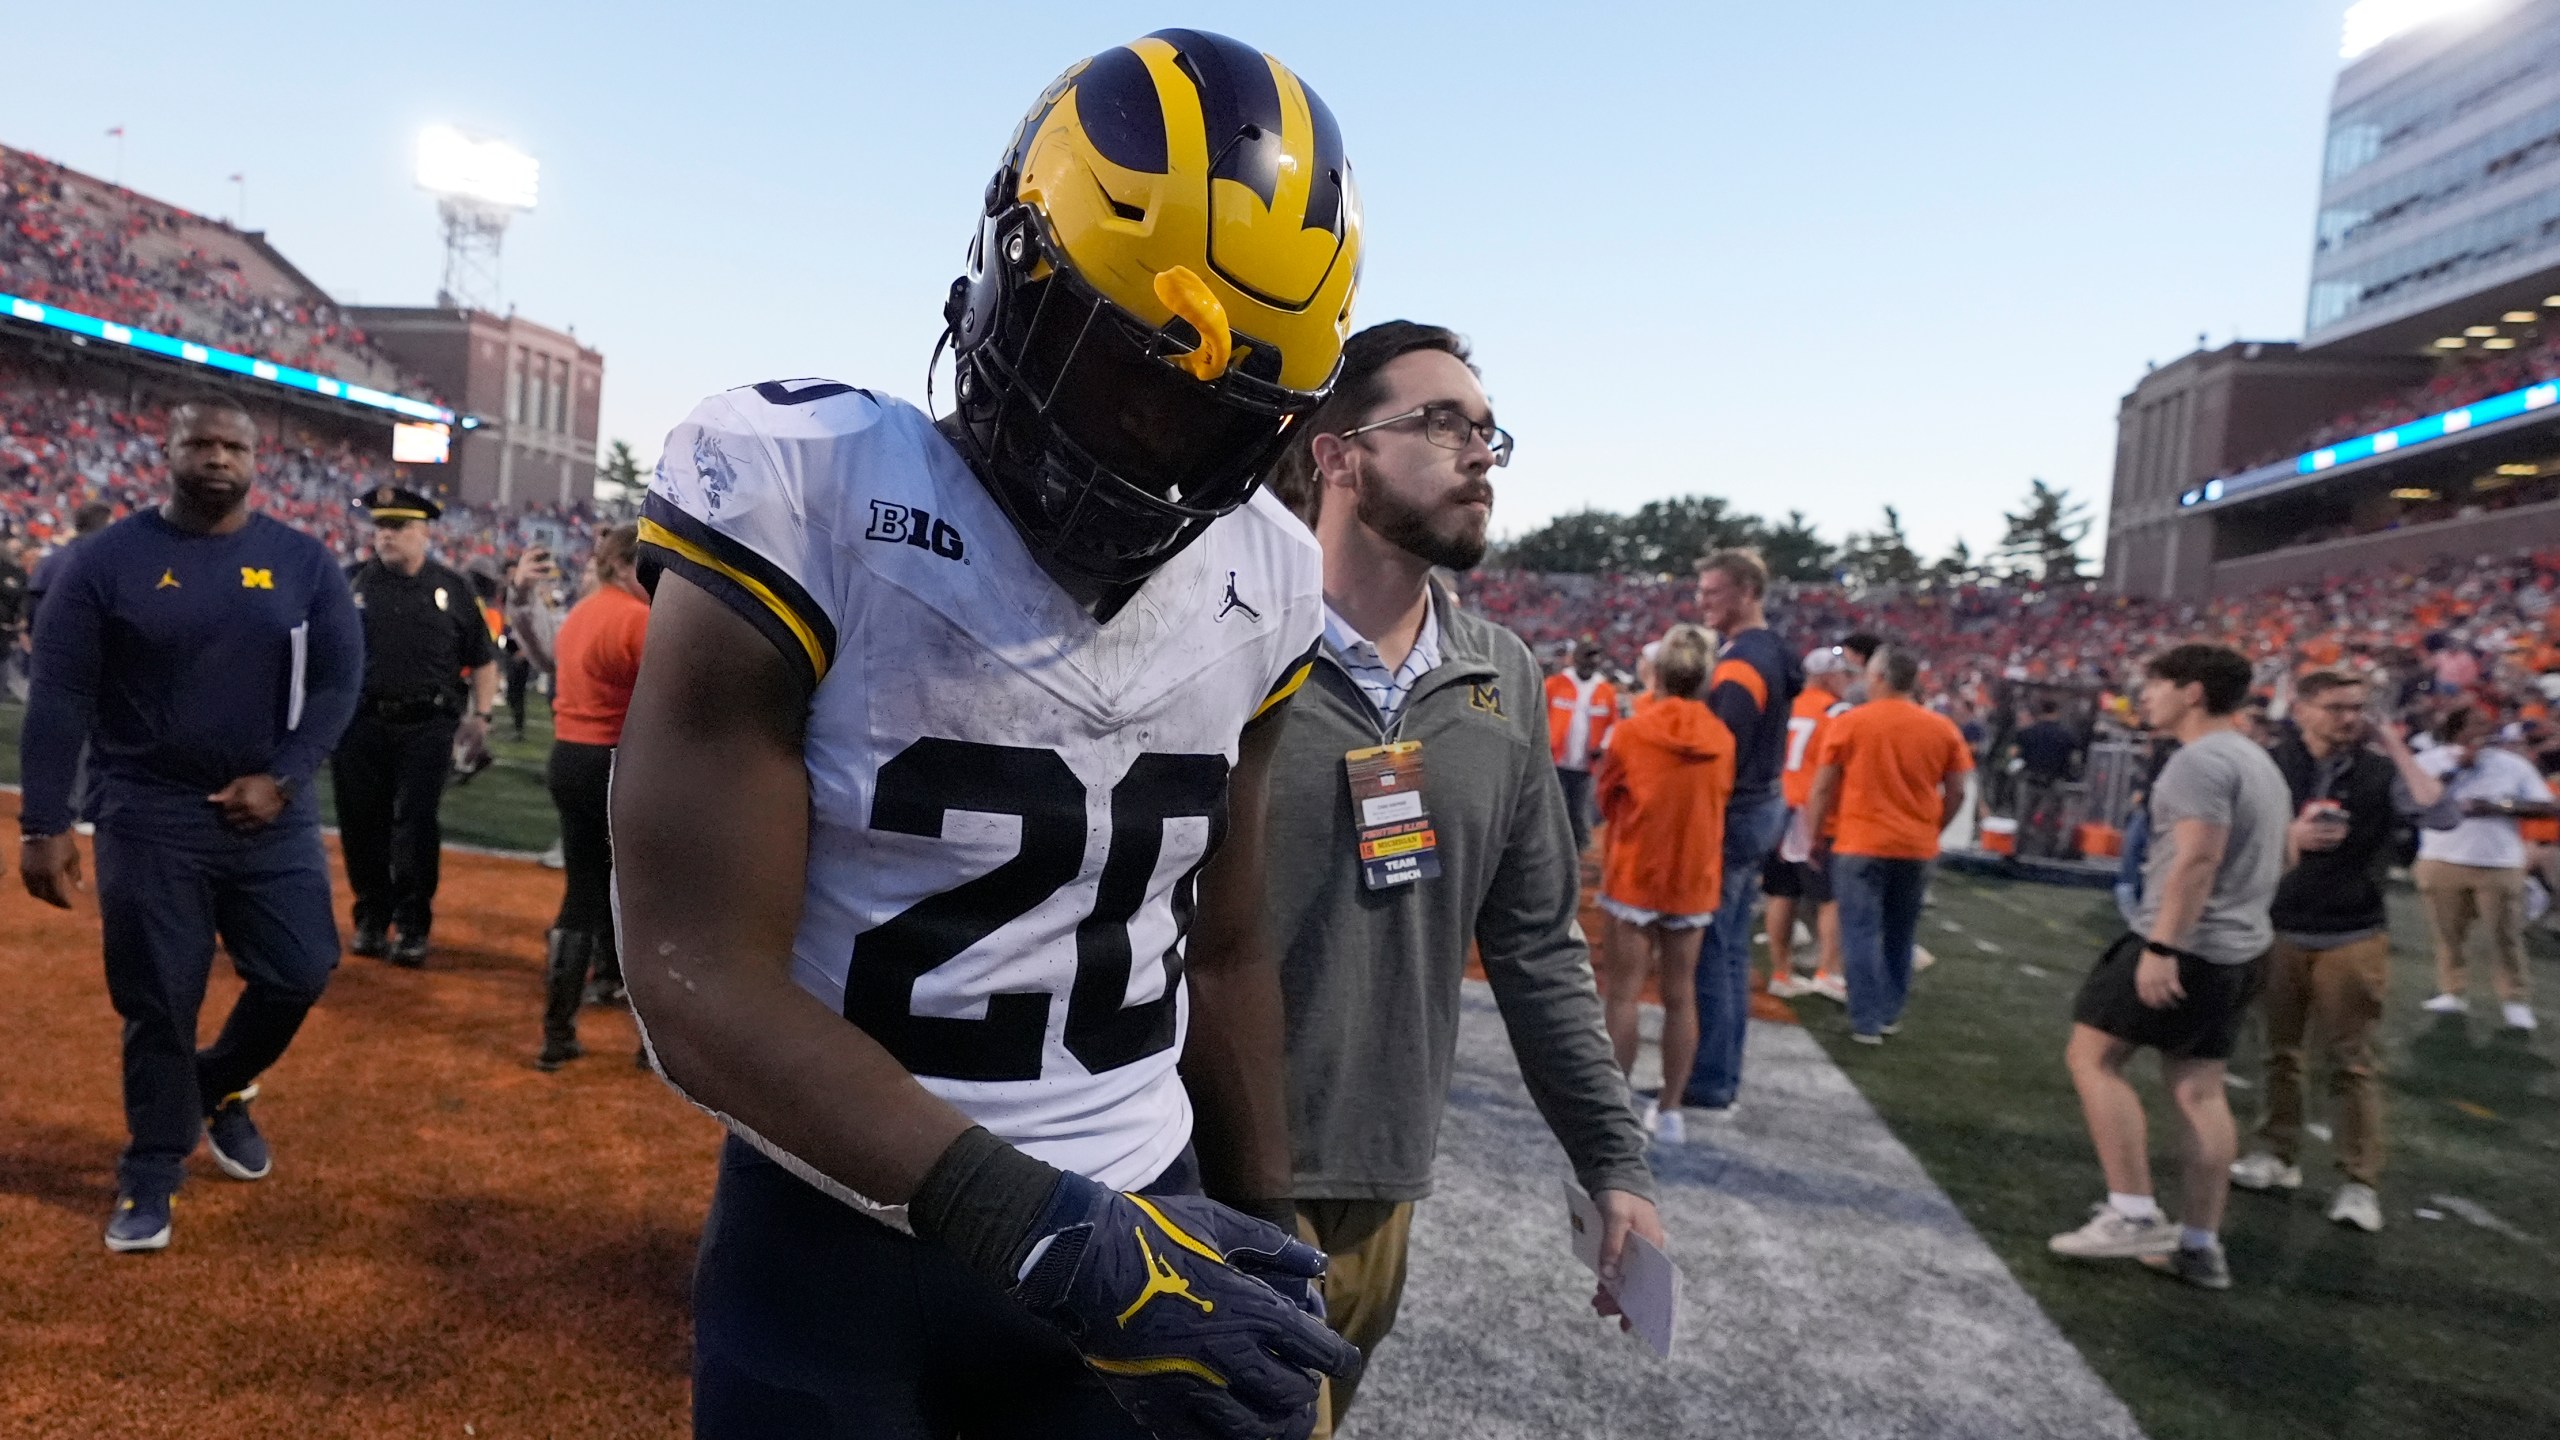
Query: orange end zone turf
[{"x": 450, "y": 1238}]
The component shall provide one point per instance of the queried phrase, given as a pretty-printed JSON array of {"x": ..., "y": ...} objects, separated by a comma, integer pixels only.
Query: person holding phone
[
  {"x": 2474, "y": 868},
  {"x": 2352, "y": 779},
  {"x": 533, "y": 623}
]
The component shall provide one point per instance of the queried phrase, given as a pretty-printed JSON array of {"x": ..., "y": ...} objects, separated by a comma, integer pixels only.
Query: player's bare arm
[
  {"x": 711, "y": 839},
  {"x": 1241, "y": 1125}
]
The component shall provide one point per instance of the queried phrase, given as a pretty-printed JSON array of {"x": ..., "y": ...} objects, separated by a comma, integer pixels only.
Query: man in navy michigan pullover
[
  {"x": 1753, "y": 691},
  {"x": 211, "y": 656}
]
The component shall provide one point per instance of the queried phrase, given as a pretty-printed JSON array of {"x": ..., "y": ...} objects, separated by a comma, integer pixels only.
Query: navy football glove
[{"x": 1168, "y": 1300}]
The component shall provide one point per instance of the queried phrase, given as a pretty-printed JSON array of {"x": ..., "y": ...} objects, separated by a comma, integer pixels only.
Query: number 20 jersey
[{"x": 1011, "y": 803}]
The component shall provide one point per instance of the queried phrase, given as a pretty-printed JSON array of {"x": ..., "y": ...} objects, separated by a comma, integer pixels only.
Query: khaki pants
[
  {"x": 2459, "y": 894},
  {"x": 2337, "y": 993},
  {"x": 1364, "y": 1283}
]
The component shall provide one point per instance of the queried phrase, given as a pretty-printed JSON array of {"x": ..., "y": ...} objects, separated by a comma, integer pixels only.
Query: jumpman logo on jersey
[
  {"x": 1235, "y": 602},
  {"x": 1162, "y": 1279},
  {"x": 168, "y": 581}
]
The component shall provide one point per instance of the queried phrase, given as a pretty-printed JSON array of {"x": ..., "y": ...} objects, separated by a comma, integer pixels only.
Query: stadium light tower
[
  {"x": 2370, "y": 23},
  {"x": 479, "y": 184}
]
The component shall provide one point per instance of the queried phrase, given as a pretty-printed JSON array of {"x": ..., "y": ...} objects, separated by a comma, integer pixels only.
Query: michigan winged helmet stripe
[
  {"x": 756, "y": 588},
  {"x": 1115, "y": 159}
]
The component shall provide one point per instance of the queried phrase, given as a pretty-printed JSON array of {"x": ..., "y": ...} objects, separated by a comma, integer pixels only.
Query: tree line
[{"x": 2041, "y": 542}]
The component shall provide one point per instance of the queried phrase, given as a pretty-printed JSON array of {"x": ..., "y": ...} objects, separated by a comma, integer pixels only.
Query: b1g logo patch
[{"x": 911, "y": 525}]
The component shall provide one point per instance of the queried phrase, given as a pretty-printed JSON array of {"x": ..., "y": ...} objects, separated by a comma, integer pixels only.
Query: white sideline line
[{"x": 1834, "y": 1289}]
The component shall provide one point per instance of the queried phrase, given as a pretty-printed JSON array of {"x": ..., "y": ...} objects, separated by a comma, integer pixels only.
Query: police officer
[
  {"x": 430, "y": 678},
  {"x": 209, "y": 656}
]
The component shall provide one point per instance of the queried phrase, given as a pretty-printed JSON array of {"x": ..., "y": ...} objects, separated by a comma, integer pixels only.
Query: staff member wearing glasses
[
  {"x": 430, "y": 679},
  {"x": 1395, "y": 470},
  {"x": 2352, "y": 783}
]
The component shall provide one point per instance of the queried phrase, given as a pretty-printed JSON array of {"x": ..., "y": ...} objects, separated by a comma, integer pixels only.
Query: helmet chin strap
[{"x": 939, "y": 343}]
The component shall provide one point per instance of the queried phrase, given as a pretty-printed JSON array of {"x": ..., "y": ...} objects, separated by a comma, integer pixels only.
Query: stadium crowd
[
  {"x": 72, "y": 241},
  {"x": 2458, "y": 385},
  {"x": 62, "y": 447},
  {"x": 2486, "y": 628}
]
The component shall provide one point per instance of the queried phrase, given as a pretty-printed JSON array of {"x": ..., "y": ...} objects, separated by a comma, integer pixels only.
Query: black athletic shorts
[
  {"x": 1792, "y": 880},
  {"x": 2204, "y": 1026}
]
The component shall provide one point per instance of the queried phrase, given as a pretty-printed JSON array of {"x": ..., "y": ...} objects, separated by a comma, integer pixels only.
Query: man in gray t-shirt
[
  {"x": 2182, "y": 981},
  {"x": 2229, "y": 783}
]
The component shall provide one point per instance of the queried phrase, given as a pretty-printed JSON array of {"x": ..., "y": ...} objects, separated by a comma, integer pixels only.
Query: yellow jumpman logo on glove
[{"x": 1162, "y": 1279}]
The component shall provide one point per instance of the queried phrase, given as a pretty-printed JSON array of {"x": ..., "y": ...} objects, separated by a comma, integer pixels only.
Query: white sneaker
[
  {"x": 1831, "y": 988},
  {"x": 1787, "y": 985},
  {"x": 2113, "y": 1235},
  {"x": 1863, "y": 1038},
  {"x": 2262, "y": 1171},
  {"x": 2446, "y": 1005},
  {"x": 1645, "y": 1114},
  {"x": 2519, "y": 1015},
  {"x": 1670, "y": 1129},
  {"x": 2357, "y": 1205},
  {"x": 1921, "y": 959}
]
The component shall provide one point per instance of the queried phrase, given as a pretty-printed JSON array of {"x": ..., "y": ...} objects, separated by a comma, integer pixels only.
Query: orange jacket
[
  {"x": 1603, "y": 709},
  {"x": 1663, "y": 788}
]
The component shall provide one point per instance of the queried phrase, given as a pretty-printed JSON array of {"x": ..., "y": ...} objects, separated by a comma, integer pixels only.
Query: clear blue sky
[{"x": 1823, "y": 257}]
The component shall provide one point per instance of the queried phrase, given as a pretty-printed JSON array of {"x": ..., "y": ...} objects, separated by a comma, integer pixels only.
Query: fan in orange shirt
[
  {"x": 1662, "y": 788},
  {"x": 1791, "y": 876},
  {"x": 1896, "y": 773},
  {"x": 1582, "y": 706},
  {"x": 598, "y": 652}
]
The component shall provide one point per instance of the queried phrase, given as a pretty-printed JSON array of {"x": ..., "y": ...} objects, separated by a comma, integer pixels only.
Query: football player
[{"x": 938, "y": 810}]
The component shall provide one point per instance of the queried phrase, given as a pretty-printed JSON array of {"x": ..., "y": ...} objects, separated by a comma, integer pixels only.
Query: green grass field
[
  {"x": 506, "y": 807},
  {"x": 2435, "y": 1327}
]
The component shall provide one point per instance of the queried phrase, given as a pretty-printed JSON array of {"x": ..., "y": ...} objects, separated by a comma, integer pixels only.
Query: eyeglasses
[{"x": 1448, "y": 427}]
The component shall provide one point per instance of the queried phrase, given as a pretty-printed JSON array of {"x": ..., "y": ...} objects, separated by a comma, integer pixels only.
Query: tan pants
[
  {"x": 1363, "y": 1283},
  {"x": 2337, "y": 993},
  {"x": 2459, "y": 894}
]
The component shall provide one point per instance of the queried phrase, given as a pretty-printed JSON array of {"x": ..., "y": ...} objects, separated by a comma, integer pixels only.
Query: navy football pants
[
  {"x": 813, "y": 1322},
  {"x": 163, "y": 899}
]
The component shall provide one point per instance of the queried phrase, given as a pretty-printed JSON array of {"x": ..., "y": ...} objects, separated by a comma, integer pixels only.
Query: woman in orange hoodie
[{"x": 1662, "y": 789}]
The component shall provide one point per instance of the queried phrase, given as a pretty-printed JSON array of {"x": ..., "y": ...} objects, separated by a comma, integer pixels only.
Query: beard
[{"x": 1409, "y": 527}]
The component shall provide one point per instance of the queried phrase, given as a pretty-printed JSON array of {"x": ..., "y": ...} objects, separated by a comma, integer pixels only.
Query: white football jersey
[{"x": 1011, "y": 802}]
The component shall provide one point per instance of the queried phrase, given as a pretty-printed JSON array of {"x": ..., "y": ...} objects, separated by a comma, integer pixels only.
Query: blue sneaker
[
  {"x": 140, "y": 1222},
  {"x": 237, "y": 1146}
]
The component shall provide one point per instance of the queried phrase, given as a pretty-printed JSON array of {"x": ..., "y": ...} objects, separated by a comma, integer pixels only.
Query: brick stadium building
[{"x": 2412, "y": 422}]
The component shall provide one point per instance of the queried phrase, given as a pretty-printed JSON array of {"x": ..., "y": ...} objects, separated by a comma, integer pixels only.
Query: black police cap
[{"x": 390, "y": 502}]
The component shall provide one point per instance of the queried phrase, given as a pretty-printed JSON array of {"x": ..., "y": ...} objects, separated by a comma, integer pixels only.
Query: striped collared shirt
[{"x": 1385, "y": 688}]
